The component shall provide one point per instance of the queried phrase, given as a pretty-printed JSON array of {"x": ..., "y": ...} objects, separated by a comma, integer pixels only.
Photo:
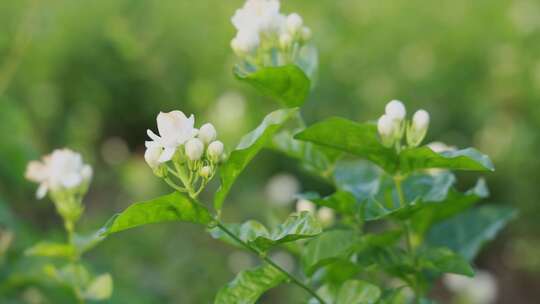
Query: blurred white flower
[
  {"x": 285, "y": 40},
  {"x": 482, "y": 289},
  {"x": 326, "y": 216},
  {"x": 215, "y": 150},
  {"x": 245, "y": 42},
  {"x": 207, "y": 133},
  {"x": 418, "y": 129},
  {"x": 205, "y": 171},
  {"x": 305, "y": 205},
  {"x": 62, "y": 169},
  {"x": 258, "y": 16},
  {"x": 439, "y": 147},
  {"x": 387, "y": 129},
  {"x": 282, "y": 188},
  {"x": 420, "y": 119},
  {"x": 174, "y": 129},
  {"x": 294, "y": 23},
  {"x": 395, "y": 110},
  {"x": 194, "y": 149}
]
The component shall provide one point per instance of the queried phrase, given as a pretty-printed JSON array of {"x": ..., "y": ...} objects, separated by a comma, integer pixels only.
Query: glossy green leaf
[
  {"x": 327, "y": 248},
  {"x": 50, "y": 249},
  {"x": 360, "y": 177},
  {"x": 467, "y": 232},
  {"x": 297, "y": 226},
  {"x": 171, "y": 207},
  {"x": 84, "y": 243},
  {"x": 249, "y": 285},
  {"x": 341, "y": 201},
  {"x": 288, "y": 84},
  {"x": 468, "y": 159},
  {"x": 358, "y": 292},
  {"x": 443, "y": 260},
  {"x": 100, "y": 288},
  {"x": 246, "y": 150}
]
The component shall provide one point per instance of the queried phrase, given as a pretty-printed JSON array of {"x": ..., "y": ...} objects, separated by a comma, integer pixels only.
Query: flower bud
[
  {"x": 326, "y": 216},
  {"x": 152, "y": 154},
  {"x": 205, "y": 172},
  {"x": 305, "y": 205},
  {"x": 387, "y": 128},
  {"x": 207, "y": 133},
  {"x": 305, "y": 34},
  {"x": 285, "y": 40},
  {"x": 395, "y": 110},
  {"x": 245, "y": 42},
  {"x": 215, "y": 150},
  {"x": 417, "y": 130},
  {"x": 294, "y": 23},
  {"x": 194, "y": 149}
]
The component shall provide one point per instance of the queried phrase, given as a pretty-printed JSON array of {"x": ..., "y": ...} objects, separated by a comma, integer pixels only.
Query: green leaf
[
  {"x": 288, "y": 84},
  {"x": 361, "y": 178},
  {"x": 328, "y": 247},
  {"x": 355, "y": 138},
  {"x": 468, "y": 159},
  {"x": 443, "y": 260},
  {"x": 358, "y": 292},
  {"x": 467, "y": 232},
  {"x": 249, "y": 285},
  {"x": 171, "y": 207},
  {"x": 341, "y": 201},
  {"x": 84, "y": 243},
  {"x": 50, "y": 249},
  {"x": 246, "y": 150},
  {"x": 100, "y": 288},
  {"x": 296, "y": 226}
]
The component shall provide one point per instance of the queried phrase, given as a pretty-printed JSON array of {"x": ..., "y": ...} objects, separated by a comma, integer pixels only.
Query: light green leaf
[
  {"x": 84, "y": 243},
  {"x": 358, "y": 292},
  {"x": 288, "y": 84},
  {"x": 360, "y": 177},
  {"x": 247, "y": 232},
  {"x": 468, "y": 159},
  {"x": 328, "y": 247},
  {"x": 443, "y": 260},
  {"x": 249, "y": 285},
  {"x": 50, "y": 249},
  {"x": 171, "y": 207},
  {"x": 341, "y": 201},
  {"x": 467, "y": 232},
  {"x": 246, "y": 150},
  {"x": 100, "y": 288}
]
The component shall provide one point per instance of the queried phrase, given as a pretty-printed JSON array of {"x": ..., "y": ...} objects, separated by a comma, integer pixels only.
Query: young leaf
[
  {"x": 288, "y": 84},
  {"x": 249, "y": 285},
  {"x": 171, "y": 207},
  {"x": 468, "y": 159},
  {"x": 246, "y": 150},
  {"x": 358, "y": 292},
  {"x": 355, "y": 138},
  {"x": 443, "y": 260},
  {"x": 50, "y": 249},
  {"x": 467, "y": 232},
  {"x": 100, "y": 288}
]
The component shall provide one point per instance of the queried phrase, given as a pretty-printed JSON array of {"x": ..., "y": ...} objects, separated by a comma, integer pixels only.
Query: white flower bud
[
  {"x": 305, "y": 205},
  {"x": 194, "y": 149},
  {"x": 418, "y": 129},
  {"x": 152, "y": 155},
  {"x": 421, "y": 120},
  {"x": 285, "y": 40},
  {"x": 245, "y": 42},
  {"x": 326, "y": 216},
  {"x": 215, "y": 150},
  {"x": 395, "y": 110},
  {"x": 205, "y": 172},
  {"x": 387, "y": 130},
  {"x": 207, "y": 133},
  {"x": 294, "y": 23},
  {"x": 305, "y": 34}
]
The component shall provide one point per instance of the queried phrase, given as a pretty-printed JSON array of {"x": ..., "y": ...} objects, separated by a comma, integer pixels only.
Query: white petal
[
  {"x": 167, "y": 155},
  {"x": 42, "y": 191},
  {"x": 71, "y": 180},
  {"x": 153, "y": 136}
]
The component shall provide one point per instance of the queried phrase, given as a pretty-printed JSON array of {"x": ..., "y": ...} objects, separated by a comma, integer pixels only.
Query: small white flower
[
  {"x": 326, "y": 216},
  {"x": 418, "y": 129},
  {"x": 174, "y": 129},
  {"x": 294, "y": 23},
  {"x": 258, "y": 16},
  {"x": 152, "y": 154},
  {"x": 385, "y": 126},
  {"x": 207, "y": 133},
  {"x": 62, "y": 169},
  {"x": 215, "y": 150},
  {"x": 281, "y": 189},
  {"x": 245, "y": 42},
  {"x": 205, "y": 171},
  {"x": 194, "y": 149},
  {"x": 305, "y": 205},
  {"x": 395, "y": 110},
  {"x": 285, "y": 40},
  {"x": 482, "y": 289},
  {"x": 420, "y": 120}
]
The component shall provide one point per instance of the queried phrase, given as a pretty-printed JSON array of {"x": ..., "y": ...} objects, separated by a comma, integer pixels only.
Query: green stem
[{"x": 269, "y": 261}]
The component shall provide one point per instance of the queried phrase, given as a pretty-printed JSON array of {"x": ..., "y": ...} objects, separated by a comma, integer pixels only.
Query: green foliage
[
  {"x": 100, "y": 288},
  {"x": 49, "y": 249},
  {"x": 287, "y": 84},
  {"x": 350, "y": 292},
  {"x": 248, "y": 147},
  {"x": 249, "y": 285}
]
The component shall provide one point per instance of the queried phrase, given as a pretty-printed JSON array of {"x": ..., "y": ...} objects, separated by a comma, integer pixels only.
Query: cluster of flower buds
[
  {"x": 66, "y": 178},
  {"x": 265, "y": 36},
  {"x": 325, "y": 215},
  {"x": 183, "y": 153},
  {"x": 393, "y": 126}
]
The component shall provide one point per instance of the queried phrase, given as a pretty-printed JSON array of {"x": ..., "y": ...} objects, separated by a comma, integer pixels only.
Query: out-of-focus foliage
[{"x": 92, "y": 76}]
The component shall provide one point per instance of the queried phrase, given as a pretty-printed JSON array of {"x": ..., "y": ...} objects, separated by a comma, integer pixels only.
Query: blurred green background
[{"x": 92, "y": 75}]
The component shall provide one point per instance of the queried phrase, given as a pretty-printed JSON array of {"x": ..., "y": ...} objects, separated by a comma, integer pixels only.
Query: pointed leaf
[
  {"x": 327, "y": 248},
  {"x": 468, "y": 159},
  {"x": 288, "y": 84},
  {"x": 171, "y": 207},
  {"x": 50, "y": 249},
  {"x": 246, "y": 150},
  {"x": 358, "y": 292},
  {"x": 249, "y": 285},
  {"x": 443, "y": 260}
]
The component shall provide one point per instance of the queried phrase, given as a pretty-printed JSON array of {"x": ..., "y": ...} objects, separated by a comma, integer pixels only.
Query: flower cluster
[
  {"x": 325, "y": 215},
  {"x": 66, "y": 177},
  {"x": 393, "y": 126},
  {"x": 183, "y": 152},
  {"x": 265, "y": 36}
]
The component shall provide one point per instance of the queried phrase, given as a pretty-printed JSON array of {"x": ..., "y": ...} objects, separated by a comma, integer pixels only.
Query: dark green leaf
[
  {"x": 443, "y": 260},
  {"x": 328, "y": 247},
  {"x": 171, "y": 207},
  {"x": 288, "y": 84},
  {"x": 341, "y": 201},
  {"x": 424, "y": 158},
  {"x": 248, "y": 147},
  {"x": 467, "y": 232},
  {"x": 249, "y": 285},
  {"x": 50, "y": 249}
]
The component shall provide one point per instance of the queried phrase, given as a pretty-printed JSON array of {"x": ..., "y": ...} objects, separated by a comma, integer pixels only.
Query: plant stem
[{"x": 269, "y": 261}]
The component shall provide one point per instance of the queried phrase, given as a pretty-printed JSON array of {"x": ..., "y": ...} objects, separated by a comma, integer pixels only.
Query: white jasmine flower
[
  {"x": 281, "y": 189},
  {"x": 385, "y": 126},
  {"x": 174, "y": 129},
  {"x": 152, "y": 154},
  {"x": 62, "y": 169},
  {"x": 215, "y": 150},
  {"x": 194, "y": 149},
  {"x": 326, "y": 216},
  {"x": 420, "y": 120},
  {"x": 482, "y": 289},
  {"x": 245, "y": 42},
  {"x": 294, "y": 23},
  {"x": 258, "y": 16},
  {"x": 305, "y": 205},
  {"x": 207, "y": 133},
  {"x": 285, "y": 40},
  {"x": 395, "y": 110},
  {"x": 418, "y": 129}
]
